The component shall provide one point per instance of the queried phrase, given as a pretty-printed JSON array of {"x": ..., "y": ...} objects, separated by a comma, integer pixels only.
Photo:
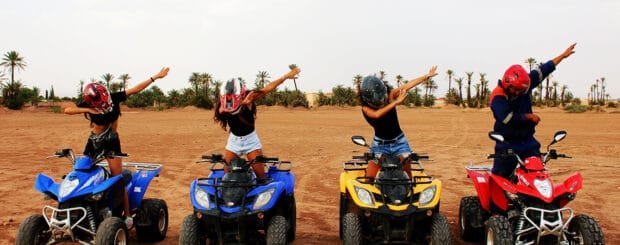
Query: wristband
[{"x": 152, "y": 80}]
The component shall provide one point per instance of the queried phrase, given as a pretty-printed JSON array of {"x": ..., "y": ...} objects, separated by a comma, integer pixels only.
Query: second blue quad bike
[
  {"x": 237, "y": 207},
  {"x": 88, "y": 211}
]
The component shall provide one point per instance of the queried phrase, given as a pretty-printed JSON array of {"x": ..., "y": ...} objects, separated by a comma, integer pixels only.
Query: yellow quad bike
[{"x": 391, "y": 207}]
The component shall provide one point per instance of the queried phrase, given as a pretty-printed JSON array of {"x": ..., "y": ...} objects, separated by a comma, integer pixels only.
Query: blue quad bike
[
  {"x": 88, "y": 212},
  {"x": 237, "y": 207}
]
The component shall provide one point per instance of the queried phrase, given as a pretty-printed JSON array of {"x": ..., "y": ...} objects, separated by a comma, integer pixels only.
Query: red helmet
[
  {"x": 231, "y": 95},
  {"x": 517, "y": 78},
  {"x": 98, "y": 97}
]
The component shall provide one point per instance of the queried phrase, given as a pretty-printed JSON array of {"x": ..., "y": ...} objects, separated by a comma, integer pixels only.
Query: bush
[
  {"x": 611, "y": 104},
  {"x": 12, "y": 94},
  {"x": 56, "y": 109},
  {"x": 576, "y": 101},
  {"x": 576, "y": 108}
]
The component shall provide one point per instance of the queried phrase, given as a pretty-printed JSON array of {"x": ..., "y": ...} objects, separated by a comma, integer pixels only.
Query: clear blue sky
[{"x": 66, "y": 41}]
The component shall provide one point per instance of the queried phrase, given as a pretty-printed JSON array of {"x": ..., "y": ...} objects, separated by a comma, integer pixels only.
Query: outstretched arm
[
  {"x": 70, "y": 108},
  {"x": 568, "y": 52},
  {"x": 141, "y": 86},
  {"x": 409, "y": 85},
  {"x": 292, "y": 74}
]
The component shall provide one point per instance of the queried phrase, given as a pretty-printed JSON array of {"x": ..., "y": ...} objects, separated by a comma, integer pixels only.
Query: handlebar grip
[
  {"x": 491, "y": 156},
  {"x": 359, "y": 157},
  {"x": 205, "y": 157},
  {"x": 423, "y": 157}
]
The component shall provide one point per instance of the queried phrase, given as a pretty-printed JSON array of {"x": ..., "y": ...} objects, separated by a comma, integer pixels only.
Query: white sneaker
[{"x": 129, "y": 222}]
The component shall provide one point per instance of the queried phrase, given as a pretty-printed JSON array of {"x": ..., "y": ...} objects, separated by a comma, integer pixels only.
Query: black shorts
[{"x": 106, "y": 142}]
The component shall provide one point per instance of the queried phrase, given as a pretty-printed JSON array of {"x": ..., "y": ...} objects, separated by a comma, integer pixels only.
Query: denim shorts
[
  {"x": 400, "y": 147},
  {"x": 242, "y": 145}
]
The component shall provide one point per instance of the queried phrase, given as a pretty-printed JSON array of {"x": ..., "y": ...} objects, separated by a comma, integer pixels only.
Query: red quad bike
[{"x": 527, "y": 208}]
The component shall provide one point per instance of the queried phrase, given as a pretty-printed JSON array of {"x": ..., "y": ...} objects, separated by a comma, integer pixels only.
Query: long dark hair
[{"x": 222, "y": 118}]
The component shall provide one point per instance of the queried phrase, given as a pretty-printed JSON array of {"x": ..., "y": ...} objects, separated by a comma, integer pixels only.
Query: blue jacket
[{"x": 509, "y": 113}]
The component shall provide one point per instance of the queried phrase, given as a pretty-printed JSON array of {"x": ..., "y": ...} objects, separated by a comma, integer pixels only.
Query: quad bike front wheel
[
  {"x": 191, "y": 231},
  {"x": 276, "y": 231},
  {"x": 292, "y": 220},
  {"x": 586, "y": 230},
  {"x": 440, "y": 230},
  {"x": 112, "y": 231},
  {"x": 498, "y": 231},
  {"x": 33, "y": 231},
  {"x": 155, "y": 215},
  {"x": 351, "y": 229},
  {"x": 470, "y": 211}
]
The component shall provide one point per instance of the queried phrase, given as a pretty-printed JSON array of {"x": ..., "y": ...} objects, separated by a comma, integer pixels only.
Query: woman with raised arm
[
  {"x": 236, "y": 110},
  {"x": 102, "y": 109},
  {"x": 379, "y": 103}
]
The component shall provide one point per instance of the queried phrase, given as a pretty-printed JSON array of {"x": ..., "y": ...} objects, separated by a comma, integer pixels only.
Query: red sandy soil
[{"x": 317, "y": 142}]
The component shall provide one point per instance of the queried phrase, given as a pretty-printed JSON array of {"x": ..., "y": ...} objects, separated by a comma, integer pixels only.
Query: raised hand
[
  {"x": 161, "y": 74},
  {"x": 402, "y": 94},
  {"x": 292, "y": 74}
]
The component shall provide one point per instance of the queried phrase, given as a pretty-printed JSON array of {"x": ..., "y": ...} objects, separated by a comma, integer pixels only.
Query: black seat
[{"x": 127, "y": 175}]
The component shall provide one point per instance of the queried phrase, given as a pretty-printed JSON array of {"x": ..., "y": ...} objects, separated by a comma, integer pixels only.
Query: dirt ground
[{"x": 317, "y": 142}]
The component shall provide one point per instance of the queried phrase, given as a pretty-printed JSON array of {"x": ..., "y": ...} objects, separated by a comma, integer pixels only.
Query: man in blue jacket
[{"x": 511, "y": 103}]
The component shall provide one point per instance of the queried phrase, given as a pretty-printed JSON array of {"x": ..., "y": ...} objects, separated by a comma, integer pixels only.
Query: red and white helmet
[
  {"x": 517, "y": 78},
  {"x": 98, "y": 97},
  {"x": 231, "y": 95}
]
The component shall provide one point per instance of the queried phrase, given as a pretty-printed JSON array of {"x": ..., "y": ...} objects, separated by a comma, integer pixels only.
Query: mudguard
[
  {"x": 46, "y": 184},
  {"x": 481, "y": 183},
  {"x": 572, "y": 184},
  {"x": 286, "y": 177},
  {"x": 139, "y": 183}
]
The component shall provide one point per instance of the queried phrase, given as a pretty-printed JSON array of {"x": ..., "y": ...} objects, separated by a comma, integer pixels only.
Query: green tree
[
  {"x": 261, "y": 78},
  {"x": 124, "y": 78},
  {"x": 459, "y": 82},
  {"x": 195, "y": 80},
  {"x": 450, "y": 73},
  {"x": 107, "y": 78},
  {"x": 357, "y": 80},
  {"x": 530, "y": 62},
  {"x": 469, "y": 100},
  {"x": 12, "y": 60},
  {"x": 293, "y": 66},
  {"x": 399, "y": 79},
  {"x": 562, "y": 92}
]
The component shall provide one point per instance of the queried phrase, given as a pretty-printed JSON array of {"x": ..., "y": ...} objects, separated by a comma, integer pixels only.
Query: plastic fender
[
  {"x": 279, "y": 189},
  {"x": 106, "y": 184},
  {"x": 139, "y": 184},
  {"x": 497, "y": 185},
  {"x": 436, "y": 198},
  {"x": 572, "y": 184},
  {"x": 350, "y": 187},
  {"x": 287, "y": 178},
  {"x": 342, "y": 182},
  {"x": 481, "y": 184},
  {"x": 45, "y": 184}
]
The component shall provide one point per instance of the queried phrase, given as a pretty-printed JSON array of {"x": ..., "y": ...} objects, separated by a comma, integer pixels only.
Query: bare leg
[
  {"x": 116, "y": 167},
  {"x": 228, "y": 156},
  {"x": 406, "y": 166},
  {"x": 259, "y": 168}
]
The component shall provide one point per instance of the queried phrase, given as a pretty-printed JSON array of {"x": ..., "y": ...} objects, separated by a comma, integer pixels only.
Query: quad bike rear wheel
[
  {"x": 292, "y": 220},
  {"x": 498, "y": 231},
  {"x": 351, "y": 229},
  {"x": 440, "y": 230},
  {"x": 33, "y": 231},
  {"x": 587, "y": 231},
  {"x": 156, "y": 215},
  {"x": 470, "y": 211},
  {"x": 112, "y": 231},
  {"x": 276, "y": 231}
]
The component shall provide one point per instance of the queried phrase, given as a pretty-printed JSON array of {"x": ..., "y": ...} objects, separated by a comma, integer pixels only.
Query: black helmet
[{"x": 373, "y": 91}]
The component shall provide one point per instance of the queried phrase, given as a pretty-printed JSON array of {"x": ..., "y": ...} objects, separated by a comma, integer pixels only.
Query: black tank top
[
  {"x": 386, "y": 127},
  {"x": 241, "y": 124},
  {"x": 110, "y": 117}
]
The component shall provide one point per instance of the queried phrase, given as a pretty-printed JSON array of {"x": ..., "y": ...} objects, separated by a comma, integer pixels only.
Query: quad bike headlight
[
  {"x": 364, "y": 196},
  {"x": 544, "y": 187},
  {"x": 202, "y": 198},
  {"x": 263, "y": 198},
  {"x": 96, "y": 197},
  {"x": 67, "y": 186},
  {"x": 427, "y": 195}
]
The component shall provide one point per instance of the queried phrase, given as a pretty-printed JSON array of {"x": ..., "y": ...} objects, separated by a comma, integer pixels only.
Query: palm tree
[
  {"x": 194, "y": 79},
  {"x": 450, "y": 73},
  {"x": 595, "y": 100},
  {"x": 478, "y": 98},
  {"x": 261, "y": 79},
  {"x": 459, "y": 81},
  {"x": 124, "y": 78},
  {"x": 530, "y": 62},
  {"x": 432, "y": 85},
  {"x": 357, "y": 80},
  {"x": 205, "y": 80},
  {"x": 555, "y": 90},
  {"x": 483, "y": 88},
  {"x": 12, "y": 60},
  {"x": 547, "y": 90},
  {"x": 382, "y": 75},
  {"x": 603, "y": 88},
  {"x": 80, "y": 90},
  {"x": 399, "y": 78},
  {"x": 562, "y": 91},
  {"x": 2, "y": 79},
  {"x": 469, "y": 74},
  {"x": 107, "y": 78}
]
